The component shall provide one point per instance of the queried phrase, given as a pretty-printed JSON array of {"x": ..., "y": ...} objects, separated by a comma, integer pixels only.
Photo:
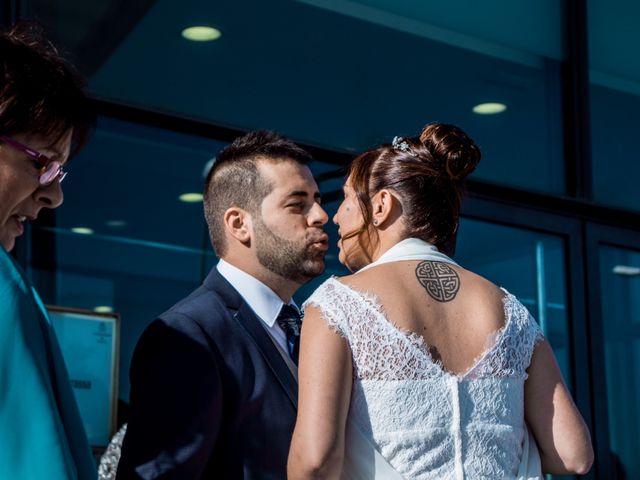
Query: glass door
[
  {"x": 529, "y": 264},
  {"x": 614, "y": 258},
  {"x": 539, "y": 257}
]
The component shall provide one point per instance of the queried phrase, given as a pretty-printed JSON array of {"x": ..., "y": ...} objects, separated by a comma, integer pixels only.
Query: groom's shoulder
[{"x": 204, "y": 306}]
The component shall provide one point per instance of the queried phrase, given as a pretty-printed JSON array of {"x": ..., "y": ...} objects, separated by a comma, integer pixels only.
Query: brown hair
[
  {"x": 40, "y": 93},
  {"x": 235, "y": 181},
  {"x": 426, "y": 173}
]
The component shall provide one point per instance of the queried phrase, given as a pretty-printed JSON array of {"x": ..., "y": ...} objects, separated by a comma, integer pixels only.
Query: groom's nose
[{"x": 317, "y": 216}]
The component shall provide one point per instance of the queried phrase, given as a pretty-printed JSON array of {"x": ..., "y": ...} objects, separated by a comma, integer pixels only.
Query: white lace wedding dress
[{"x": 428, "y": 423}]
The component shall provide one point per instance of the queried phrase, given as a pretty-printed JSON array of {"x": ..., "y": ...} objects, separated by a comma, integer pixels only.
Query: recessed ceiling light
[
  {"x": 82, "y": 230},
  {"x": 489, "y": 108},
  {"x": 115, "y": 223},
  {"x": 626, "y": 270},
  {"x": 201, "y": 33},
  {"x": 191, "y": 197},
  {"x": 103, "y": 309}
]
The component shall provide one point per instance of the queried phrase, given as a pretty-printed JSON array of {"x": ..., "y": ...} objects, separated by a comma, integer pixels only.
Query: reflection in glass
[
  {"x": 530, "y": 265},
  {"x": 615, "y": 101},
  {"x": 621, "y": 328},
  {"x": 345, "y": 75}
]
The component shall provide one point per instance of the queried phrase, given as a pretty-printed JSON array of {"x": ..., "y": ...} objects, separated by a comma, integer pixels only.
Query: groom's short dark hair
[{"x": 235, "y": 181}]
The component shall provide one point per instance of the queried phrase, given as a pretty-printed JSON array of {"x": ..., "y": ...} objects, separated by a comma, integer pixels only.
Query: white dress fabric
[{"x": 428, "y": 423}]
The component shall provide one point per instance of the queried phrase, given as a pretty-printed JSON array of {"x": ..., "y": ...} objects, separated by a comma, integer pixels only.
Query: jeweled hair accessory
[{"x": 400, "y": 144}]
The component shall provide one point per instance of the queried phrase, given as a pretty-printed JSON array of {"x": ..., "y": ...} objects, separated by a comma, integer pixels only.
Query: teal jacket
[{"x": 41, "y": 432}]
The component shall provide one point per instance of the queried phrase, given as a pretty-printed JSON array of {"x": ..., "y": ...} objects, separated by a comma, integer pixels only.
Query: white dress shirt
[{"x": 264, "y": 302}]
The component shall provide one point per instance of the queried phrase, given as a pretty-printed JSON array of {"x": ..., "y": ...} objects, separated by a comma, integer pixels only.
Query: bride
[{"x": 414, "y": 367}]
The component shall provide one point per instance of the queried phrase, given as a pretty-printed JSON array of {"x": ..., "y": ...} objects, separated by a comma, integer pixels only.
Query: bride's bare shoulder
[
  {"x": 478, "y": 286},
  {"x": 372, "y": 279},
  {"x": 402, "y": 276}
]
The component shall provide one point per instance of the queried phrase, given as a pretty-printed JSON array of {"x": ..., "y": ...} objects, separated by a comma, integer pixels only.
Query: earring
[{"x": 375, "y": 222}]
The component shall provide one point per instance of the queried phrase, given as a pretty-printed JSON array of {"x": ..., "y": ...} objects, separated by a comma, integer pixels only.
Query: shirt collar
[{"x": 262, "y": 300}]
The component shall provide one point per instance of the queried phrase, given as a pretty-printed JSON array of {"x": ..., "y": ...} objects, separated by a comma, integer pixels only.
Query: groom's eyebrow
[{"x": 302, "y": 193}]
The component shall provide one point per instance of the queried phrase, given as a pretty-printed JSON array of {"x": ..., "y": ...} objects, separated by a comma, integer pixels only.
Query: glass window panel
[
  {"x": 615, "y": 101},
  {"x": 620, "y": 284},
  {"x": 528, "y": 264},
  {"x": 138, "y": 281},
  {"x": 128, "y": 182},
  {"x": 347, "y": 75}
]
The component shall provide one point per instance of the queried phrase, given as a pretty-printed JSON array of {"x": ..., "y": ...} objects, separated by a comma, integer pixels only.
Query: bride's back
[
  {"x": 430, "y": 360},
  {"x": 456, "y": 312},
  {"x": 438, "y": 372}
]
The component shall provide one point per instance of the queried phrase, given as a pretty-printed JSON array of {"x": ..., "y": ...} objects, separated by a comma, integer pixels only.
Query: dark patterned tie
[{"x": 289, "y": 321}]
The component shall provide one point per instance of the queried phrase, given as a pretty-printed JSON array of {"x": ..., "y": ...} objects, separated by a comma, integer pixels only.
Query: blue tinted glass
[
  {"x": 620, "y": 284},
  {"x": 128, "y": 182},
  {"x": 528, "y": 264},
  {"x": 615, "y": 101},
  {"x": 137, "y": 280},
  {"x": 346, "y": 75}
]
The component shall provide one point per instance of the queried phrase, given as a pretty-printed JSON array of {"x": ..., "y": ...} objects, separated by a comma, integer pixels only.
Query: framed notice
[{"x": 90, "y": 347}]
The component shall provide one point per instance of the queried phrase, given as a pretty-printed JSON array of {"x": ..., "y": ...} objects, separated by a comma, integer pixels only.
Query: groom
[{"x": 213, "y": 380}]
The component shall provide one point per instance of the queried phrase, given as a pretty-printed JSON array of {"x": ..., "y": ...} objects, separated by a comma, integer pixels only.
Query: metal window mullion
[{"x": 578, "y": 165}]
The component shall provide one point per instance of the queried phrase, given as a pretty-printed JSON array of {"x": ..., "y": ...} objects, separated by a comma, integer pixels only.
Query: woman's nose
[{"x": 50, "y": 196}]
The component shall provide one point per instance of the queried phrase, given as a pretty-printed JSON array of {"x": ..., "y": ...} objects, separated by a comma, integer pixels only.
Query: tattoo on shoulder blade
[{"x": 439, "y": 280}]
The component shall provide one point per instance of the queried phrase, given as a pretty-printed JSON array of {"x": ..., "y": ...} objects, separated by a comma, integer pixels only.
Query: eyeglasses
[{"x": 51, "y": 169}]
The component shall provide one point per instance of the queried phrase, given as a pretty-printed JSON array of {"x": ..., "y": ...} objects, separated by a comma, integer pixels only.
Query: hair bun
[{"x": 454, "y": 153}]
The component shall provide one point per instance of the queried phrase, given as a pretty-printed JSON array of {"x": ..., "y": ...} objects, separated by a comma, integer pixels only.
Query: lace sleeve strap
[
  {"x": 523, "y": 335},
  {"x": 328, "y": 298},
  {"x": 538, "y": 334}
]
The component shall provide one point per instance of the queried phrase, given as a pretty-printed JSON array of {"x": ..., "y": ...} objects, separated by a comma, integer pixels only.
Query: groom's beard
[{"x": 297, "y": 261}]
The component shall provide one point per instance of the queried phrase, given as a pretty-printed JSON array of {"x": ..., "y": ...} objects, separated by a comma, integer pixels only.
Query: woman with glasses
[{"x": 44, "y": 119}]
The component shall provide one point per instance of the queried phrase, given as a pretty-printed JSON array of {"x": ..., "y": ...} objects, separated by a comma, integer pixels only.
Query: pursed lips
[{"x": 321, "y": 241}]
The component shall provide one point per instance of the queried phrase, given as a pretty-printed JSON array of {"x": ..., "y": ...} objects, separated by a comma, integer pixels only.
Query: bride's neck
[{"x": 387, "y": 239}]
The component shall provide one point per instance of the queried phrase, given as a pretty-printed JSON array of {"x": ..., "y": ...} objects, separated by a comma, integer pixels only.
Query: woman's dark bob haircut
[{"x": 40, "y": 92}]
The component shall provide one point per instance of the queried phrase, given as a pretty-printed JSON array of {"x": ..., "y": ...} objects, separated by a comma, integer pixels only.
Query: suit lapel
[{"x": 251, "y": 325}]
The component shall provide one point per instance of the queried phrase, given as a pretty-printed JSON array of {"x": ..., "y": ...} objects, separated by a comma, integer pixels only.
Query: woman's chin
[
  {"x": 341, "y": 258},
  {"x": 7, "y": 243},
  {"x": 352, "y": 264}
]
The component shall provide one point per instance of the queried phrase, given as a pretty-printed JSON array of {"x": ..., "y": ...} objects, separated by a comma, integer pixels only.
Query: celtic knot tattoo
[{"x": 439, "y": 280}]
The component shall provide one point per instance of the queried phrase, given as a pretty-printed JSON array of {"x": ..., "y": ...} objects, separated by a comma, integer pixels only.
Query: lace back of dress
[{"x": 381, "y": 351}]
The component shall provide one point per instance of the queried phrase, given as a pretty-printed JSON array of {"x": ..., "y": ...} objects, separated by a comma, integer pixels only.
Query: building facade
[{"x": 549, "y": 89}]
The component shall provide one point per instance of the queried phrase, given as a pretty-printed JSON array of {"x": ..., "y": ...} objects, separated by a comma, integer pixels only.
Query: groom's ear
[
  {"x": 385, "y": 208},
  {"x": 238, "y": 225}
]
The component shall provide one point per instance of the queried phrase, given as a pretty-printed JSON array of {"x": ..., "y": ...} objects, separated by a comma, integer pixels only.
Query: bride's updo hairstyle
[{"x": 426, "y": 173}]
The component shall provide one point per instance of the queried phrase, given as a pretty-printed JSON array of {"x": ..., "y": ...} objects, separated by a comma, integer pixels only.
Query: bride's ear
[{"x": 385, "y": 208}]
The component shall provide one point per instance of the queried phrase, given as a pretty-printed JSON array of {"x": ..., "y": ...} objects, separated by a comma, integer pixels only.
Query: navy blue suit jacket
[{"x": 211, "y": 396}]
